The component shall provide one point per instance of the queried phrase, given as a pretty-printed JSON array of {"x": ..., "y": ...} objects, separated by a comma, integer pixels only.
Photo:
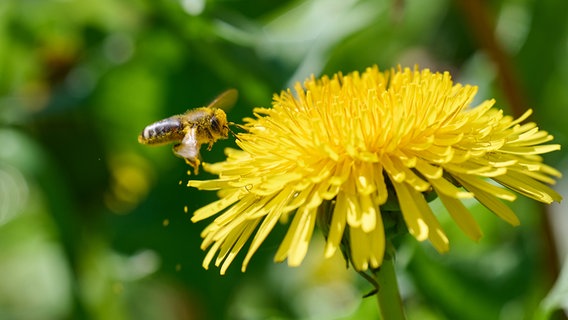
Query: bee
[{"x": 190, "y": 130}]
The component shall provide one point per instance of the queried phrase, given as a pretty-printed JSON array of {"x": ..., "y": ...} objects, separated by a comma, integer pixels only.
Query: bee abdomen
[{"x": 163, "y": 131}]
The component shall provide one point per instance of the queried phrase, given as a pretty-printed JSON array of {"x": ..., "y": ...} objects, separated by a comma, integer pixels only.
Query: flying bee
[{"x": 190, "y": 130}]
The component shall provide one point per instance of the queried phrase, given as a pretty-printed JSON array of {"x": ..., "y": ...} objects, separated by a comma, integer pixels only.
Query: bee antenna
[
  {"x": 237, "y": 125},
  {"x": 232, "y": 132}
]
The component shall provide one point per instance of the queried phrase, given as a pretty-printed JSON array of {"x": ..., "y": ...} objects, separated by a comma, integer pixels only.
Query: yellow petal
[
  {"x": 473, "y": 181},
  {"x": 443, "y": 186},
  {"x": 337, "y": 225},
  {"x": 216, "y": 207},
  {"x": 295, "y": 243},
  {"x": 275, "y": 211},
  {"x": 490, "y": 201},
  {"x": 359, "y": 248},
  {"x": 461, "y": 216},
  {"x": 428, "y": 170},
  {"x": 421, "y": 222},
  {"x": 234, "y": 243},
  {"x": 529, "y": 187}
]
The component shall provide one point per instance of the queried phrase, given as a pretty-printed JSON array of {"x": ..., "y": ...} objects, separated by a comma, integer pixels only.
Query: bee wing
[{"x": 225, "y": 100}]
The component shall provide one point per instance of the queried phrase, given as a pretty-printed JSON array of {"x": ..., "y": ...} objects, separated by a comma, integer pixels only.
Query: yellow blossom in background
[{"x": 345, "y": 146}]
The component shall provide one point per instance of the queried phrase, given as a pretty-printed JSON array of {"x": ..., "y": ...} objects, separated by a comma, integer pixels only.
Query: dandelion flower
[{"x": 344, "y": 149}]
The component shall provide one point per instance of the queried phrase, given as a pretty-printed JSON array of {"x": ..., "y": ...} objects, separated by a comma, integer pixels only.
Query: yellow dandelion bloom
[{"x": 349, "y": 146}]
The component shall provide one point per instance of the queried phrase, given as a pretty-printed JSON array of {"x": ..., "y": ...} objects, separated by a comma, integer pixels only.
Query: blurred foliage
[{"x": 95, "y": 226}]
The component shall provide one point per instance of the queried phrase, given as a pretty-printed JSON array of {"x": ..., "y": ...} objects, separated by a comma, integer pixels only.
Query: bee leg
[
  {"x": 211, "y": 142},
  {"x": 195, "y": 163},
  {"x": 190, "y": 153}
]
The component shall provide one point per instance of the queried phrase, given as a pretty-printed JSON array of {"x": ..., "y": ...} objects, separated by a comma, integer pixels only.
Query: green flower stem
[{"x": 390, "y": 303}]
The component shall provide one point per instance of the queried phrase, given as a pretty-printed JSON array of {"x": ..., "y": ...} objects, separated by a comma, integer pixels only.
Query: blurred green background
[{"x": 92, "y": 224}]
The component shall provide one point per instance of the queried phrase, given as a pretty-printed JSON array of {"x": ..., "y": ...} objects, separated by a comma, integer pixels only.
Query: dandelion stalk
[{"x": 388, "y": 295}]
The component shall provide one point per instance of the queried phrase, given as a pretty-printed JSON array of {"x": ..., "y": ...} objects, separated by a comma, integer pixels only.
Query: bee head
[{"x": 219, "y": 125}]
